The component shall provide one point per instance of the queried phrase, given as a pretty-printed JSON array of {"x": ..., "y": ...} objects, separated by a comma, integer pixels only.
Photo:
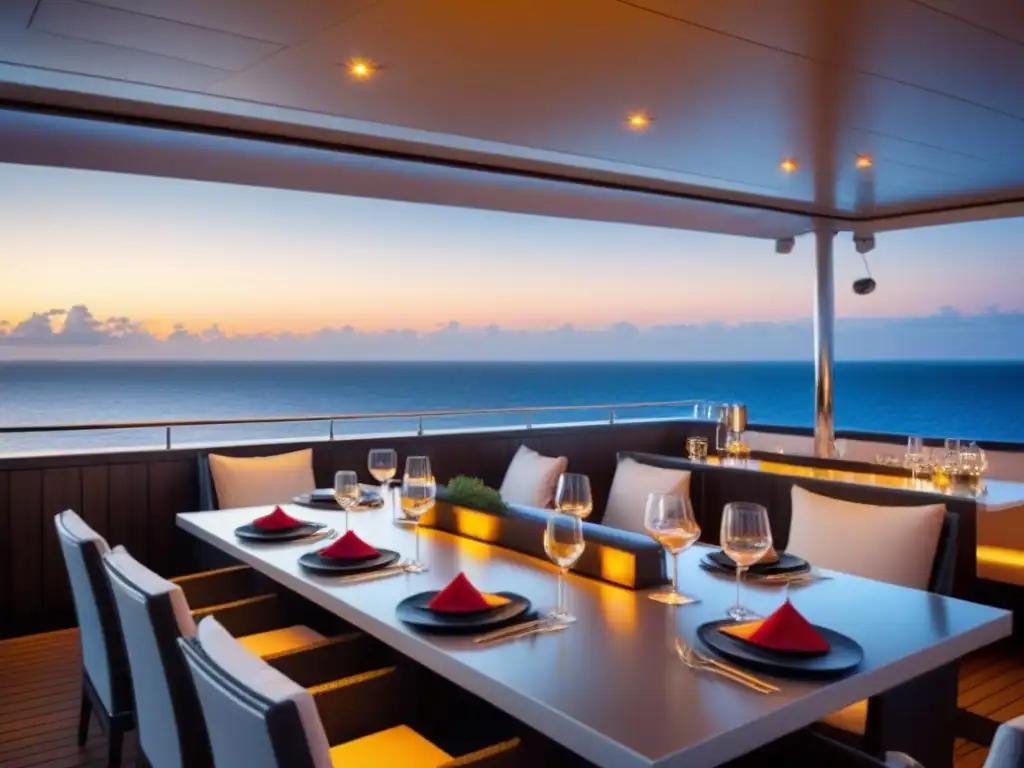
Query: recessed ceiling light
[
  {"x": 864, "y": 162},
  {"x": 789, "y": 165},
  {"x": 361, "y": 69},
  {"x": 639, "y": 121}
]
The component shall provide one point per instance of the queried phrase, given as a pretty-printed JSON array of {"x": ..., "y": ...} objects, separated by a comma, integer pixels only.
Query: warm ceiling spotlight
[
  {"x": 788, "y": 165},
  {"x": 361, "y": 69},
  {"x": 638, "y": 121},
  {"x": 863, "y": 162}
]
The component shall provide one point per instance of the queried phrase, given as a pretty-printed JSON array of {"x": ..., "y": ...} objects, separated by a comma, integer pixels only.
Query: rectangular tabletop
[{"x": 611, "y": 688}]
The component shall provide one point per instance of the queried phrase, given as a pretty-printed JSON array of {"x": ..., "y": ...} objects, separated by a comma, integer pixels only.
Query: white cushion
[
  {"x": 633, "y": 483},
  {"x": 531, "y": 478},
  {"x": 254, "y": 482},
  {"x": 896, "y": 545}
]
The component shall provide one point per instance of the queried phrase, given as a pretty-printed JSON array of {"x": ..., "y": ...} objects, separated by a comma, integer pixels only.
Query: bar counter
[{"x": 992, "y": 495}]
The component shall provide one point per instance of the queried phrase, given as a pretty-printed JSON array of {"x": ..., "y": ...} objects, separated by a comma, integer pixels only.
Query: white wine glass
[
  {"x": 914, "y": 456},
  {"x": 669, "y": 520},
  {"x": 746, "y": 538},
  {"x": 346, "y": 491},
  {"x": 563, "y": 543},
  {"x": 383, "y": 464},
  {"x": 573, "y": 496},
  {"x": 419, "y": 489}
]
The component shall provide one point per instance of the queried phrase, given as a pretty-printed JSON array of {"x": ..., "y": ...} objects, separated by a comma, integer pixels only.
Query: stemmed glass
[
  {"x": 914, "y": 456},
  {"x": 746, "y": 538},
  {"x": 346, "y": 491},
  {"x": 669, "y": 520},
  {"x": 572, "y": 496},
  {"x": 563, "y": 542},
  {"x": 418, "y": 492},
  {"x": 383, "y": 463}
]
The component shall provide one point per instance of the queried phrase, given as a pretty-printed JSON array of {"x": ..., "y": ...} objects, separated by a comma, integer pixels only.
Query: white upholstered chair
[
  {"x": 257, "y": 481},
  {"x": 897, "y": 545},
  {"x": 1008, "y": 746},
  {"x": 154, "y": 613},
  {"x": 531, "y": 478},
  {"x": 632, "y": 484},
  {"x": 106, "y": 681},
  {"x": 241, "y": 694}
]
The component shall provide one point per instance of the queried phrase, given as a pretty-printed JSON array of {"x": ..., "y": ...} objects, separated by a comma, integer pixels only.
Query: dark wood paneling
[
  {"x": 24, "y": 571},
  {"x": 96, "y": 498},
  {"x": 129, "y": 508},
  {"x": 173, "y": 487},
  {"x": 62, "y": 489}
]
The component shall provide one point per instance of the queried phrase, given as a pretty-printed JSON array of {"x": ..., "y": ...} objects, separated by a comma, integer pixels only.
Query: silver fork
[
  {"x": 697, "y": 661},
  {"x": 382, "y": 573},
  {"x": 320, "y": 536},
  {"x": 540, "y": 629}
]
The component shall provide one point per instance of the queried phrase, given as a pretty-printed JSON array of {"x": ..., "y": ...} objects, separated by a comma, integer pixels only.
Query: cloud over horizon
[{"x": 75, "y": 333}]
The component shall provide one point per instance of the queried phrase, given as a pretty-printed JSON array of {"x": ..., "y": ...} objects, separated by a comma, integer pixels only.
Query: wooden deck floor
[{"x": 40, "y": 678}]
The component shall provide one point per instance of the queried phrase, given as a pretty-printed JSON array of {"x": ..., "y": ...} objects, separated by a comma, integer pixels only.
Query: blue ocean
[{"x": 980, "y": 400}]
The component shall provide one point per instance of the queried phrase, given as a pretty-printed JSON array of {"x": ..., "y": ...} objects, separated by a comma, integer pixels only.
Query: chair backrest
[
  {"x": 103, "y": 651},
  {"x": 1008, "y": 746},
  {"x": 153, "y": 614},
  {"x": 256, "y": 717},
  {"x": 229, "y": 482}
]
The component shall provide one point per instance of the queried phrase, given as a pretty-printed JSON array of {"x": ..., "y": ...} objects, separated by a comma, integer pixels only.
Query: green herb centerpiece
[{"x": 472, "y": 492}]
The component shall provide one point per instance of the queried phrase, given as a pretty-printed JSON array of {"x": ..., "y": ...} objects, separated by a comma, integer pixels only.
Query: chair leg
[
  {"x": 115, "y": 739},
  {"x": 84, "y": 716}
]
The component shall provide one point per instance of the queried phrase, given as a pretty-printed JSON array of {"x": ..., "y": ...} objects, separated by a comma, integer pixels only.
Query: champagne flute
[
  {"x": 746, "y": 538},
  {"x": 563, "y": 543},
  {"x": 669, "y": 520},
  {"x": 418, "y": 492},
  {"x": 346, "y": 491},
  {"x": 572, "y": 496},
  {"x": 914, "y": 456},
  {"x": 383, "y": 464}
]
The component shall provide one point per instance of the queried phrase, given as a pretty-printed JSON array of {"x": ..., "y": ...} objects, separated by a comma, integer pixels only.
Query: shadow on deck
[{"x": 40, "y": 677}]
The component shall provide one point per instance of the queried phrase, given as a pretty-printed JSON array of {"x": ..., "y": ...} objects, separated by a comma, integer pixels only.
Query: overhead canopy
[{"x": 510, "y": 104}]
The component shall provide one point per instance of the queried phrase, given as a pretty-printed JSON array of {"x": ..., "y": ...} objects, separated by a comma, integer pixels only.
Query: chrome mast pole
[{"x": 824, "y": 332}]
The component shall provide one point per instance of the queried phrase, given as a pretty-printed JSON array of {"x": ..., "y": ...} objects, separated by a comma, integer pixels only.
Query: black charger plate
[
  {"x": 324, "y": 499},
  {"x": 346, "y": 567},
  {"x": 414, "y": 612},
  {"x": 252, "y": 533},
  {"x": 844, "y": 653},
  {"x": 786, "y": 563}
]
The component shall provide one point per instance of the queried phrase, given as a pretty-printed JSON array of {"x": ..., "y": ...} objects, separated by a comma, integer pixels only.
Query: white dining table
[{"x": 611, "y": 688}]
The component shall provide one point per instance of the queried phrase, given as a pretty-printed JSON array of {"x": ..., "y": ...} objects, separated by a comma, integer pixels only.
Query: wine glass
[
  {"x": 669, "y": 520},
  {"x": 563, "y": 542},
  {"x": 383, "y": 463},
  {"x": 746, "y": 538},
  {"x": 914, "y": 456},
  {"x": 572, "y": 496},
  {"x": 418, "y": 492},
  {"x": 346, "y": 491}
]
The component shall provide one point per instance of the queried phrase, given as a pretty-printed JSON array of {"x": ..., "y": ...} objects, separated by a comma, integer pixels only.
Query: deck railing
[{"x": 610, "y": 414}]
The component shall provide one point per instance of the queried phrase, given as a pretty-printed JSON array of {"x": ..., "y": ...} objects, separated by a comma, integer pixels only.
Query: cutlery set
[
  {"x": 696, "y": 660},
  {"x": 517, "y": 631}
]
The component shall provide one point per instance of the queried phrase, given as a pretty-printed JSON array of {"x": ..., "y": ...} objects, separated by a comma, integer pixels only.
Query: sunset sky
[{"x": 165, "y": 252}]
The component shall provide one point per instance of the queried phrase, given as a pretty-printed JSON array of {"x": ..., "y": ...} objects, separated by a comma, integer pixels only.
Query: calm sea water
[{"x": 976, "y": 400}]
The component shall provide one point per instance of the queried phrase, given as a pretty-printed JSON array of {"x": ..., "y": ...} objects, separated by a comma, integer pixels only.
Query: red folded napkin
[
  {"x": 460, "y": 596},
  {"x": 349, "y": 547},
  {"x": 278, "y": 520},
  {"x": 784, "y": 630}
]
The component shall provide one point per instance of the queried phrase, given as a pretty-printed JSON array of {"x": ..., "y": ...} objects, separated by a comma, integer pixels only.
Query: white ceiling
[{"x": 932, "y": 90}]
